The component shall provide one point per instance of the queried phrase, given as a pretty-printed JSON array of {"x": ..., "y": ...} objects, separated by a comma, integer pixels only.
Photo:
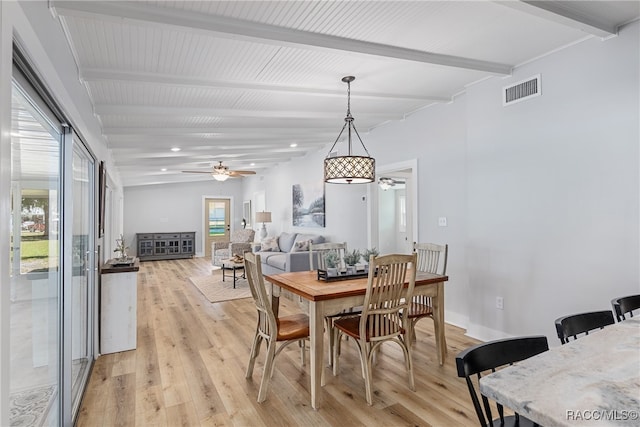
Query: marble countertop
[{"x": 592, "y": 381}]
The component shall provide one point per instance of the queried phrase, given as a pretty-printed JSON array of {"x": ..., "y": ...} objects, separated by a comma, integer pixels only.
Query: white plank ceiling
[{"x": 241, "y": 81}]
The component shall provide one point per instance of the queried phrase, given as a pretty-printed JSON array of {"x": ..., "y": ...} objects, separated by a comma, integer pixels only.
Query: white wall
[
  {"x": 553, "y": 189},
  {"x": 541, "y": 197},
  {"x": 176, "y": 208}
]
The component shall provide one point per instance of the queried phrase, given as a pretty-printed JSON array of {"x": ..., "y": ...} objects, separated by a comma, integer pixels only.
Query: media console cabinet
[{"x": 155, "y": 246}]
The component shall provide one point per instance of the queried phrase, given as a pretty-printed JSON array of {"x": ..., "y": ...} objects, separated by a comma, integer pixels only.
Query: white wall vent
[{"x": 521, "y": 90}]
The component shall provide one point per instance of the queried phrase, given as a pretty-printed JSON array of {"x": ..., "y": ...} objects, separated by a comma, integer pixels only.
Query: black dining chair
[
  {"x": 489, "y": 356},
  {"x": 625, "y": 305},
  {"x": 576, "y": 324}
]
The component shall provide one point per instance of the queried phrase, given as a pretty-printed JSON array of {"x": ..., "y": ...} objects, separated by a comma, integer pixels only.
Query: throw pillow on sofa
[
  {"x": 269, "y": 244},
  {"x": 285, "y": 241},
  {"x": 302, "y": 246},
  {"x": 313, "y": 238}
]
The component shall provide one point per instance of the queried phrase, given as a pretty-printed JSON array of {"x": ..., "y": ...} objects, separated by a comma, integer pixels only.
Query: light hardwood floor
[{"x": 189, "y": 367}]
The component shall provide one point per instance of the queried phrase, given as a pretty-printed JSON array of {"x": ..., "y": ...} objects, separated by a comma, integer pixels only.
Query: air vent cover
[{"x": 521, "y": 90}]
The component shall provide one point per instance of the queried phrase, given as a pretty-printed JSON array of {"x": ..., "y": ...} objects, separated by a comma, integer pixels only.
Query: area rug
[
  {"x": 215, "y": 290},
  {"x": 30, "y": 407}
]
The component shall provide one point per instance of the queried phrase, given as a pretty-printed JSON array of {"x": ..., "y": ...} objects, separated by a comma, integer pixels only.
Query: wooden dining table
[
  {"x": 331, "y": 297},
  {"x": 592, "y": 381}
]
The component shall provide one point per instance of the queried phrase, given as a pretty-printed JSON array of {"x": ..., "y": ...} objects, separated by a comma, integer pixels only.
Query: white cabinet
[{"x": 118, "y": 307}]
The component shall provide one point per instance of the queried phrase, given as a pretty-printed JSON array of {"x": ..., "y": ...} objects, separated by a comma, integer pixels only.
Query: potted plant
[
  {"x": 351, "y": 259},
  {"x": 367, "y": 255},
  {"x": 368, "y": 252},
  {"x": 122, "y": 248},
  {"x": 331, "y": 260}
]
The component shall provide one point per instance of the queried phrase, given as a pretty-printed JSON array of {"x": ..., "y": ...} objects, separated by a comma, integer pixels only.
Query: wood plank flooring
[{"x": 189, "y": 370}]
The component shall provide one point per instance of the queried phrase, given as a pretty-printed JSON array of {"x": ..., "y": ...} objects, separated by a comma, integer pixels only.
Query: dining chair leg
[
  {"x": 408, "y": 360},
  {"x": 366, "y": 359},
  {"x": 255, "y": 350},
  {"x": 331, "y": 339},
  {"x": 413, "y": 337},
  {"x": 268, "y": 371},
  {"x": 336, "y": 353},
  {"x": 367, "y": 351},
  {"x": 374, "y": 355},
  {"x": 301, "y": 344},
  {"x": 410, "y": 332}
]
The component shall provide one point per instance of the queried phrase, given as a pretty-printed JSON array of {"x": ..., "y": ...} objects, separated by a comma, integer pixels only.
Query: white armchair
[{"x": 240, "y": 242}]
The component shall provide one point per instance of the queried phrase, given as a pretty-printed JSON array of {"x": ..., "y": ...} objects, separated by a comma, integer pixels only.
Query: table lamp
[{"x": 263, "y": 217}]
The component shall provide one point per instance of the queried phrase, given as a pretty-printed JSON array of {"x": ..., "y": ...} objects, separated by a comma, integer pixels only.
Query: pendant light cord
[{"x": 348, "y": 120}]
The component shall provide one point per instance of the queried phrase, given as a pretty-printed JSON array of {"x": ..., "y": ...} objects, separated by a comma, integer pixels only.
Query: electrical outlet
[
  {"x": 499, "y": 303},
  {"x": 442, "y": 221}
]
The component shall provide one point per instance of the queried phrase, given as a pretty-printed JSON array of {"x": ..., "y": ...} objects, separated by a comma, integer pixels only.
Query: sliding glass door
[
  {"x": 53, "y": 264},
  {"x": 35, "y": 321},
  {"x": 83, "y": 273}
]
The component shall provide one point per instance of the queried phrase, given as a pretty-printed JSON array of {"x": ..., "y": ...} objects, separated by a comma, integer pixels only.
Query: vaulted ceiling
[{"x": 258, "y": 83}]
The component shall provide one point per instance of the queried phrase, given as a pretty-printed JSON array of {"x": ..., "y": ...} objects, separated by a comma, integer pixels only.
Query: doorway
[
  {"x": 217, "y": 222},
  {"x": 394, "y": 217}
]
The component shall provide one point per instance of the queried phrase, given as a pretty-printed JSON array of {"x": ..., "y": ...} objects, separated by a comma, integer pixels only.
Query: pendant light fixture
[{"x": 349, "y": 169}]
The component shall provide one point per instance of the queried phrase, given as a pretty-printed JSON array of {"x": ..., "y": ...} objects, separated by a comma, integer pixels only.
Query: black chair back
[
  {"x": 489, "y": 356},
  {"x": 576, "y": 324},
  {"x": 625, "y": 305}
]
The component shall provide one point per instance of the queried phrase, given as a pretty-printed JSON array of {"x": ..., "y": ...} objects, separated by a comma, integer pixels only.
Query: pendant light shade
[{"x": 349, "y": 169}]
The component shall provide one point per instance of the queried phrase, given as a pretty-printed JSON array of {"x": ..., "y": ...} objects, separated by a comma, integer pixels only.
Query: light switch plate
[{"x": 442, "y": 221}]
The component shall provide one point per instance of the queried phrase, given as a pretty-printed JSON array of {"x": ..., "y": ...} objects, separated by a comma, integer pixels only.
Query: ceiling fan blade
[
  {"x": 242, "y": 172},
  {"x": 207, "y": 172}
]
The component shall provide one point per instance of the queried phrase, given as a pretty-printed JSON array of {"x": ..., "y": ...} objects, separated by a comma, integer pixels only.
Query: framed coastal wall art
[{"x": 308, "y": 204}]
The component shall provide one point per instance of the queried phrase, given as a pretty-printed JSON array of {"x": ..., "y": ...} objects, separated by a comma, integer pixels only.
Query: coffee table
[{"x": 231, "y": 265}]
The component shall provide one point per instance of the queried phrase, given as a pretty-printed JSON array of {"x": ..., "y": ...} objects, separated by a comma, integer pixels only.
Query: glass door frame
[{"x": 71, "y": 140}]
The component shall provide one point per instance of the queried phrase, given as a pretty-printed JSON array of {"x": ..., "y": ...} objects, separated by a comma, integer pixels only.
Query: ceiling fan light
[
  {"x": 384, "y": 185},
  {"x": 220, "y": 176}
]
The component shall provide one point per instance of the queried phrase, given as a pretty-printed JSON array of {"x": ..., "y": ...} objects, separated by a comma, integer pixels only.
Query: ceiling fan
[
  {"x": 386, "y": 183},
  {"x": 221, "y": 172}
]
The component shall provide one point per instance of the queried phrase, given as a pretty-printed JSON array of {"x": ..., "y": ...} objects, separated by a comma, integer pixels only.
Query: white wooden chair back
[
  {"x": 385, "y": 297},
  {"x": 267, "y": 325},
  {"x": 317, "y": 252},
  {"x": 432, "y": 258}
]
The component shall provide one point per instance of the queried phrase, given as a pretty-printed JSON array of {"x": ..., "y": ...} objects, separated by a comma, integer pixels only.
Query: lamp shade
[
  {"x": 349, "y": 169},
  {"x": 263, "y": 217}
]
